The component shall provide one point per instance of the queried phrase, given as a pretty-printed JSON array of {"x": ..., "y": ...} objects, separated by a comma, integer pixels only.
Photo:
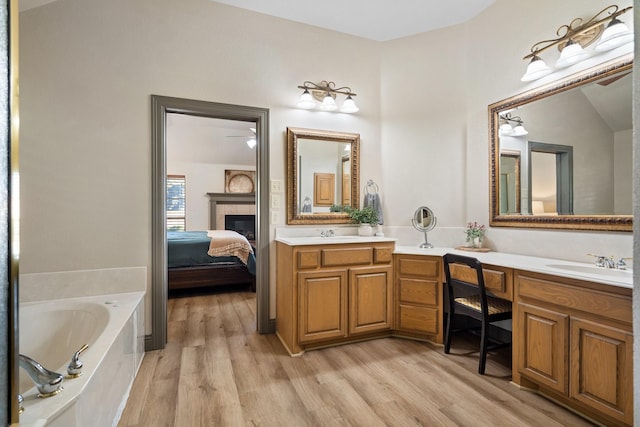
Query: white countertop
[
  {"x": 570, "y": 269},
  {"x": 317, "y": 240}
]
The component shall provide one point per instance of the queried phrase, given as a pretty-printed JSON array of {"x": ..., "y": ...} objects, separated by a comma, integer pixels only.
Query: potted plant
[
  {"x": 475, "y": 234},
  {"x": 366, "y": 217}
]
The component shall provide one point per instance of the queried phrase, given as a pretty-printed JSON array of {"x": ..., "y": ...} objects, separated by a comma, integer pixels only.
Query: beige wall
[{"x": 88, "y": 68}]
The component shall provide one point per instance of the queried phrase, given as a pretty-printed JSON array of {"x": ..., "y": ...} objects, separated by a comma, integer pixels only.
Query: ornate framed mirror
[
  {"x": 322, "y": 176},
  {"x": 570, "y": 166}
]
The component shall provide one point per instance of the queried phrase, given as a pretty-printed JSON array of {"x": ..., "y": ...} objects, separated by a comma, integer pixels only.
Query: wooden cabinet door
[
  {"x": 601, "y": 368},
  {"x": 543, "y": 346},
  {"x": 322, "y": 298},
  {"x": 370, "y": 299}
]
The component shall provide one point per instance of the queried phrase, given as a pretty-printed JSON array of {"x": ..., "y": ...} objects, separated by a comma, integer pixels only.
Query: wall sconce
[
  {"x": 507, "y": 130},
  {"x": 573, "y": 38},
  {"x": 323, "y": 96}
]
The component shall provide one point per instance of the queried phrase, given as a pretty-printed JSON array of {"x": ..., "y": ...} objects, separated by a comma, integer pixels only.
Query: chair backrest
[{"x": 460, "y": 288}]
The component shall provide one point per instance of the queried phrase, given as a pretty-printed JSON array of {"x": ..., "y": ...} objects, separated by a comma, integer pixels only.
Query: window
[{"x": 176, "y": 202}]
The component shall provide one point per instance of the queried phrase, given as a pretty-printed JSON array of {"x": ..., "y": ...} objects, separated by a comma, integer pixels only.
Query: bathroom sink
[{"x": 588, "y": 269}]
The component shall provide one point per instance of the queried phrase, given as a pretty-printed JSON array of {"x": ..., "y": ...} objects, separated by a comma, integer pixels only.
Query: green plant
[
  {"x": 364, "y": 216},
  {"x": 338, "y": 208},
  {"x": 475, "y": 230}
]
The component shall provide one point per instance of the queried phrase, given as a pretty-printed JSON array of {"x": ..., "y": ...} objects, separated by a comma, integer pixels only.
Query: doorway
[
  {"x": 160, "y": 107},
  {"x": 550, "y": 178}
]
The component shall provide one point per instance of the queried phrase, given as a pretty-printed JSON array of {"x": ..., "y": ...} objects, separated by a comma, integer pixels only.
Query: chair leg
[
  {"x": 447, "y": 335},
  {"x": 484, "y": 341}
]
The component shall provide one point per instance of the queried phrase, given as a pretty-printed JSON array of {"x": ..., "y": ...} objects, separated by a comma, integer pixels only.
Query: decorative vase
[
  {"x": 365, "y": 230},
  {"x": 476, "y": 242}
]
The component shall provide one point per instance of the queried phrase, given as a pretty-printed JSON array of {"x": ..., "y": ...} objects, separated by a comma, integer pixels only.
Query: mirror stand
[
  {"x": 426, "y": 243},
  {"x": 424, "y": 220}
]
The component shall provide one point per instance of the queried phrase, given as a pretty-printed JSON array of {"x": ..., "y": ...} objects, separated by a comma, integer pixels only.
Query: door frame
[{"x": 160, "y": 106}]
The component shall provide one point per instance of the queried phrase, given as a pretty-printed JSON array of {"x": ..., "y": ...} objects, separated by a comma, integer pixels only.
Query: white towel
[{"x": 373, "y": 200}]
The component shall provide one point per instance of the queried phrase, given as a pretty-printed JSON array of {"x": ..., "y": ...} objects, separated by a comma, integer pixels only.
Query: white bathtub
[{"x": 51, "y": 331}]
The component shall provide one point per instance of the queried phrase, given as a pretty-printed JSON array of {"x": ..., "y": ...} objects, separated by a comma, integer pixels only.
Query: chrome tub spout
[{"x": 48, "y": 383}]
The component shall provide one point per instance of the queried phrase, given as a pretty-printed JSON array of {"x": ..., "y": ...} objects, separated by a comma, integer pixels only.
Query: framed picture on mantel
[{"x": 238, "y": 181}]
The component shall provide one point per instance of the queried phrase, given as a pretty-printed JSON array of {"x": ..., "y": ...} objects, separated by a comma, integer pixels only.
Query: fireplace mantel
[{"x": 227, "y": 199}]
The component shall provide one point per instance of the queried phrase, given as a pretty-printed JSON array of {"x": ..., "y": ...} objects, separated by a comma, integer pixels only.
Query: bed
[{"x": 190, "y": 265}]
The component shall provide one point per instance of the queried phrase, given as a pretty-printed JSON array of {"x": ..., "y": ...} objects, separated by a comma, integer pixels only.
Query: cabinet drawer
[
  {"x": 424, "y": 267},
  {"x": 418, "y": 291},
  {"x": 498, "y": 281},
  {"x": 346, "y": 256},
  {"x": 309, "y": 258},
  {"x": 612, "y": 306},
  {"x": 418, "y": 319},
  {"x": 382, "y": 255}
]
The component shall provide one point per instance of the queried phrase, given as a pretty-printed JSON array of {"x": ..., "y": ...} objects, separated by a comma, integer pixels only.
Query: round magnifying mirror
[{"x": 424, "y": 220}]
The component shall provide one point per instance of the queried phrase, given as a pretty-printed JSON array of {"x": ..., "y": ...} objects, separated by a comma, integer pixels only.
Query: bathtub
[{"x": 52, "y": 331}]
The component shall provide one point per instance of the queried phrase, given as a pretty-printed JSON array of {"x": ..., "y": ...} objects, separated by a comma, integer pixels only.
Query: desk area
[{"x": 571, "y": 330}]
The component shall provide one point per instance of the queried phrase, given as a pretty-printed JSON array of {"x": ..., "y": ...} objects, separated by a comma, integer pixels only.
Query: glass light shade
[
  {"x": 328, "y": 103},
  {"x": 536, "y": 69},
  {"x": 520, "y": 130},
  {"x": 251, "y": 142},
  {"x": 615, "y": 35},
  {"x": 349, "y": 106},
  {"x": 506, "y": 129},
  {"x": 306, "y": 101},
  {"x": 571, "y": 54}
]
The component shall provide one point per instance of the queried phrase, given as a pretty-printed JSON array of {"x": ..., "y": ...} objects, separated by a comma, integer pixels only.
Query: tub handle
[{"x": 74, "y": 369}]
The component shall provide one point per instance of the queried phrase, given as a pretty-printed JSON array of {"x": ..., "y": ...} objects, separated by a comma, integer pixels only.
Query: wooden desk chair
[{"x": 472, "y": 300}]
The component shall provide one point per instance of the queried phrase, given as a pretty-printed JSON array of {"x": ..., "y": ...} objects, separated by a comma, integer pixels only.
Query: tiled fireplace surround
[{"x": 221, "y": 204}]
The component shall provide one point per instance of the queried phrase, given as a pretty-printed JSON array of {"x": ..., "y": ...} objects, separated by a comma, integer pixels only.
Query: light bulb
[
  {"x": 306, "y": 101},
  {"x": 349, "y": 106},
  {"x": 571, "y": 54},
  {"x": 506, "y": 129},
  {"x": 615, "y": 35},
  {"x": 536, "y": 69},
  {"x": 328, "y": 103}
]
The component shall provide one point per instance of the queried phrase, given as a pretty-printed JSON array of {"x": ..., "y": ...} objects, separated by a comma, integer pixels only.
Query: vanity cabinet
[
  {"x": 573, "y": 341},
  {"x": 419, "y": 297},
  {"x": 332, "y": 294}
]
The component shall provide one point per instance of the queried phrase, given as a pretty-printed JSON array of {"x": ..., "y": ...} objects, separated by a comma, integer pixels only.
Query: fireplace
[{"x": 243, "y": 224}]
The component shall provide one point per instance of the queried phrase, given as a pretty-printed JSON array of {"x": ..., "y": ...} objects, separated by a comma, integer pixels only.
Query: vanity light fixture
[
  {"x": 575, "y": 37},
  {"x": 507, "y": 130},
  {"x": 323, "y": 96}
]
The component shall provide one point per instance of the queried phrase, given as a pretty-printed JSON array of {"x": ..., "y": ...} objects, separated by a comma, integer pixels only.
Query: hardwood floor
[{"x": 217, "y": 371}]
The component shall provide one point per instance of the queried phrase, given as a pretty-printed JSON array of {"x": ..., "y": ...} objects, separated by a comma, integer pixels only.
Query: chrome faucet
[
  {"x": 326, "y": 233},
  {"x": 74, "y": 369},
  {"x": 621, "y": 264},
  {"x": 48, "y": 383},
  {"x": 608, "y": 262}
]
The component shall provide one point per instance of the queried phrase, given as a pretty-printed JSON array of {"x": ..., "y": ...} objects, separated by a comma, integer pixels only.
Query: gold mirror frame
[
  {"x": 567, "y": 222},
  {"x": 293, "y": 135}
]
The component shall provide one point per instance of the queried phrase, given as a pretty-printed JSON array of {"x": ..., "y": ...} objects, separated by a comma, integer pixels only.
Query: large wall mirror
[
  {"x": 322, "y": 176},
  {"x": 570, "y": 164}
]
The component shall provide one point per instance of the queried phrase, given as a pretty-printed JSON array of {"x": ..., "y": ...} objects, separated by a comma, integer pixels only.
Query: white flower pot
[{"x": 365, "y": 230}]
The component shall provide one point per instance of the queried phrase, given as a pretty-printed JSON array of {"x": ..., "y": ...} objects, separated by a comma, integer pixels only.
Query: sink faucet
[
  {"x": 48, "y": 383},
  {"x": 326, "y": 233},
  {"x": 607, "y": 262},
  {"x": 621, "y": 264}
]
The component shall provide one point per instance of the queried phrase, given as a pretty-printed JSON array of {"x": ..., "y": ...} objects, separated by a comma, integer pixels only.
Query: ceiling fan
[{"x": 251, "y": 140}]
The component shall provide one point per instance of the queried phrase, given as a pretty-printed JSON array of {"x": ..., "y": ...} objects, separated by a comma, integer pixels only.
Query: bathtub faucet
[
  {"x": 74, "y": 369},
  {"x": 48, "y": 383}
]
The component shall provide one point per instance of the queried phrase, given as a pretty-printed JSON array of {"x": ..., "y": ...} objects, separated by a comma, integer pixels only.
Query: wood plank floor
[{"x": 217, "y": 371}]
